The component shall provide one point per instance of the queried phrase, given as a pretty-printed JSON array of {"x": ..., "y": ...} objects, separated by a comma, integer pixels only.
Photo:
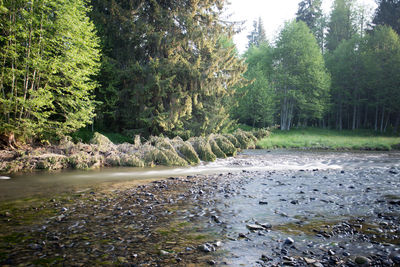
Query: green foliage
[
  {"x": 341, "y": 24},
  {"x": 328, "y": 139},
  {"x": 168, "y": 68},
  {"x": 300, "y": 77},
  {"x": 49, "y": 55},
  {"x": 388, "y": 13},
  {"x": 256, "y": 106}
]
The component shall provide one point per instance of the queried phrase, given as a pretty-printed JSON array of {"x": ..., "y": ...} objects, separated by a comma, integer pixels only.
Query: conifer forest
[{"x": 153, "y": 67}]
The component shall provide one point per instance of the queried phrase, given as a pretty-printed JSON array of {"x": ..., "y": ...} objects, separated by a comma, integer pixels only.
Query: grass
[
  {"x": 85, "y": 135},
  {"x": 329, "y": 139}
]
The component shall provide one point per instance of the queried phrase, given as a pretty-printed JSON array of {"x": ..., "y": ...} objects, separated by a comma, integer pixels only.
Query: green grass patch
[
  {"x": 329, "y": 139},
  {"x": 84, "y": 135}
]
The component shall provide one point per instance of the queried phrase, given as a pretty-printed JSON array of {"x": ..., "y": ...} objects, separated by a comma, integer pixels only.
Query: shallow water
[
  {"x": 332, "y": 204},
  {"x": 43, "y": 183}
]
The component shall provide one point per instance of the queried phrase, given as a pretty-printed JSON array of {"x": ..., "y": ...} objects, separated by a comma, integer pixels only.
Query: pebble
[
  {"x": 206, "y": 248},
  {"x": 263, "y": 202}
]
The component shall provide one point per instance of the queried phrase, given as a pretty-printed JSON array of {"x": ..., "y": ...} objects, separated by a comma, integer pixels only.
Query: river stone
[
  {"x": 206, "y": 248},
  {"x": 254, "y": 227},
  {"x": 263, "y": 202},
  {"x": 361, "y": 260},
  {"x": 289, "y": 241}
]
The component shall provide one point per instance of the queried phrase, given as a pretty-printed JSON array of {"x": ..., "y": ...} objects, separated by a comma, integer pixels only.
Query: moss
[
  {"x": 131, "y": 161},
  {"x": 261, "y": 133},
  {"x": 202, "y": 148},
  {"x": 233, "y": 140},
  {"x": 225, "y": 145},
  {"x": 102, "y": 142},
  {"x": 80, "y": 161},
  {"x": 164, "y": 157},
  {"x": 216, "y": 150},
  {"x": 113, "y": 160},
  {"x": 246, "y": 139},
  {"x": 186, "y": 151}
]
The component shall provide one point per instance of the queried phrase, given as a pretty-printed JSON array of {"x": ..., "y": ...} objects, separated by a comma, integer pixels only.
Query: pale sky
[{"x": 273, "y": 14}]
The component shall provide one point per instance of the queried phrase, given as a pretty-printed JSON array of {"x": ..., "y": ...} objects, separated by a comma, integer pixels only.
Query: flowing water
[{"x": 332, "y": 205}]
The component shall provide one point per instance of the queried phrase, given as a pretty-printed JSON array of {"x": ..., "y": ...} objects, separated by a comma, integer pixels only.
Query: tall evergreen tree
[
  {"x": 257, "y": 36},
  {"x": 49, "y": 55},
  {"x": 310, "y": 12},
  {"x": 172, "y": 64},
  {"x": 341, "y": 23},
  {"x": 388, "y": 13}
]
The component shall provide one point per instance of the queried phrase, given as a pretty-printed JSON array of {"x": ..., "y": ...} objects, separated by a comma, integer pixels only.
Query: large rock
[
  {"x": 131, "y": 161},
  {"x": 202, "y": 148},
  {"x": 224, "y": 144},
  {"x": 246, "y": 139},
  {"x": 233, "y": 140},
  {"x": 185, "y": 150},
  {"x": 215, "y": 149},
  {"x": 103, "y": 143},
  {"x": 165, "y": 157}
]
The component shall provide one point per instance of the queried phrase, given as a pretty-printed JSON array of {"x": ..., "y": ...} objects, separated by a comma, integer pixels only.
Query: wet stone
[
  {"x": 254, "y": 227},
  {"x": 289, "y": 241},
  {"x": 361, "y": 260}
]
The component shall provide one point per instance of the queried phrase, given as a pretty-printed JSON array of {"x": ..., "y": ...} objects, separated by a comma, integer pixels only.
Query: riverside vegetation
[
  {"x": 155, "y": 151},
  {"x": 314, "y": 138}
]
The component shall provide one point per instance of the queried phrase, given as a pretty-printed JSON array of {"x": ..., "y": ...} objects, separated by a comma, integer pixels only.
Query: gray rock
[
  {"x": 361, "y": 260},
  {"x": 254, "y": 227},
  {"x": 206, "y": 248},
  {"x": 289, "y": 241}
]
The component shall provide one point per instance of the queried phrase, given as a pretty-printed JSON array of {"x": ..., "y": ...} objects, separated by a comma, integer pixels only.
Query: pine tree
[
  {"x": 257, "y": 36},
  {"x": 341, "y": 23},
  {"x": 173, "y": 64},
  {"x": 388, "y": 13}
]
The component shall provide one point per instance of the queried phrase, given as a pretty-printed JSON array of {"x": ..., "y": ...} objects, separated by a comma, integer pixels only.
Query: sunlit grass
[{"x": 329, "y": 139}]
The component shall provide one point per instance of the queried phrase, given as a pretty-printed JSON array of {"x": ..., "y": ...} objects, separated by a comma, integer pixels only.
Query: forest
[{"x": 153, "y": 67}]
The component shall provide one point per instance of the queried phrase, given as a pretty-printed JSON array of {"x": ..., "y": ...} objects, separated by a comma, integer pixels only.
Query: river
[{"x": 265, "y": 207}]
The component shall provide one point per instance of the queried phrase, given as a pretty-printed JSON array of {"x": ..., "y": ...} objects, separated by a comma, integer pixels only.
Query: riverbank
[
  {"x": 272, "y": 209},
  {"x": 313, "y": 138},
  {"x": 101, "y": 152}
]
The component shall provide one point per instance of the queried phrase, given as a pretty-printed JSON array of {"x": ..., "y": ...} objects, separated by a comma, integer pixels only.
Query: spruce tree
[
  {"x": 173, "y": 65},
  {"x": 388, "y": 13}
]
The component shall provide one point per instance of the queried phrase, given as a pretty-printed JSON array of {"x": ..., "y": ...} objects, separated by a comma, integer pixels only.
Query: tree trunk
[
  {"x": 396, "y": 125},
  {"x": 382, "y": 118},
  {"x": 376, "y": 119},
  {"x": 387, "y": 121},
  {"x": 353, "y": 127}
]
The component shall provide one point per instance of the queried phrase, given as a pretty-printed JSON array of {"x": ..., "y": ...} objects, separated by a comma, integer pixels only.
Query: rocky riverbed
[{"x": 268, "y": 209}]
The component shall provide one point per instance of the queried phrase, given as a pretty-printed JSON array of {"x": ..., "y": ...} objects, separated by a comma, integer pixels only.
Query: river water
[
  {"x": 37, "y": 183},
  {"x": 324, "y": 206}
]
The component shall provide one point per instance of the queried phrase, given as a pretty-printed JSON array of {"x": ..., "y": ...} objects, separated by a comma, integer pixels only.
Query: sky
[{"x": 273, "y": 13}]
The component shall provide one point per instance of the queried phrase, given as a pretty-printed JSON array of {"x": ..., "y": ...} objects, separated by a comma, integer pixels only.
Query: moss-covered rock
[
  {"x": 261, "y": 133},
  {"x": 246, "y": 139},
  {"x": 131, "y": 161},
  {"x": 233, "y": 140},
  {"x": 165, "y": 157},
  {"x": 225, "y": 145},
  {"x": 51, "y": 162},
  {"x": 103, "y": 143},
  {"x": 185, "y": 150},
  {"x": 215, "y": 149},
  {"x": 80, "y": 161},
  {"x": 202, "y": 148},
  {"x": 160, "y": 142}
]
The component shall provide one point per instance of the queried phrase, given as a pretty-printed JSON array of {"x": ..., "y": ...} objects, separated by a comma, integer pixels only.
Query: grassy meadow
[{"x": 329, "y": 139}]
